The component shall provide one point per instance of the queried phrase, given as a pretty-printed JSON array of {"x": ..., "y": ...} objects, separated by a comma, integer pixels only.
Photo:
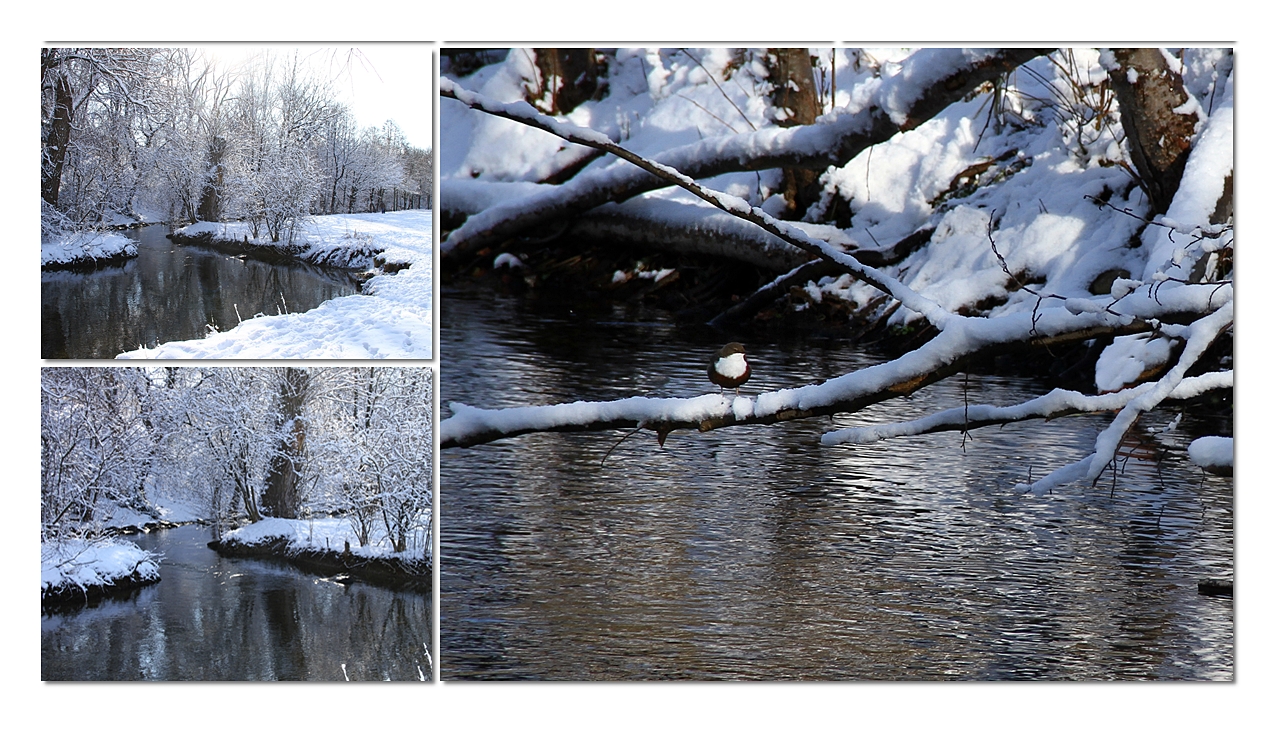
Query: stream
[
  {"x": 756, "y": 553},
  {"x": 216, "y": 618},
  {"x": 171, "y": 292}
]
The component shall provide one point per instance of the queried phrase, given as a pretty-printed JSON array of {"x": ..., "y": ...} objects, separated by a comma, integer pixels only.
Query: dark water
[
  {"x": 215, "y": 618},
  {"x": 756, "y": 553},
  {"x": 171, "y": 293}
]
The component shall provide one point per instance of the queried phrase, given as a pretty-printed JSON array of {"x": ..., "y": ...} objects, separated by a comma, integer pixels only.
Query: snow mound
[
  {"x": 85, "y": 563},
  {"x": 328, "y": 533},
  {"x": 86, "y": 247},
  {"x": 1125, "y": 360},
  {"x": 1212, "y": 452}
]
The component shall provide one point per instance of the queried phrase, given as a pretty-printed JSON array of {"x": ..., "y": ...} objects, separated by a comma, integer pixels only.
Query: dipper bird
[{"x": 728, "y": 368}]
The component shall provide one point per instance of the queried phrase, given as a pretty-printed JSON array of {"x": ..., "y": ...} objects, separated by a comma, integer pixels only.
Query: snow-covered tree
[
  {"x": 241, "y": 443},
  {"x": 97, "y": 106},
  {"x": 373, "y": 458},
  {"x": 96, "y": 447},
  {"x": 168, "y": 133}
]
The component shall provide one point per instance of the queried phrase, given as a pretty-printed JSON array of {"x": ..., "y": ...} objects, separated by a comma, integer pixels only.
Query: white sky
[{"x": 384, "y": 81}]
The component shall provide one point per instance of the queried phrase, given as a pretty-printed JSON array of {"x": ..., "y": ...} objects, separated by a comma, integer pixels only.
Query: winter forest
[
  {"x": 170, "y": 134},
  {"x": 156, "y": 163},
  {"x": 348, "y": 449}
]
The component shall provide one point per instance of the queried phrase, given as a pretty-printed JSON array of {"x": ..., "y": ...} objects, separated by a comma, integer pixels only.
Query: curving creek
[
  {"x": 171, "y": 292},
  {"x": 216, "y": 618},
  {"x": 756, "y": 553}
]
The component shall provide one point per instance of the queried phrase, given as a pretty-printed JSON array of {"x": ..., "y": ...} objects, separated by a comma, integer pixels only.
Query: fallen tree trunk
[
  {"x": 930, "y": 81},
  {"x": 736, "y": 207},
  {"x": 667, "y": 225}
]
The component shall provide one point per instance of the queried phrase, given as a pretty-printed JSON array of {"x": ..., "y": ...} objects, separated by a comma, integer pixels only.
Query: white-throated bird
[{"x": 729, "y": 368}]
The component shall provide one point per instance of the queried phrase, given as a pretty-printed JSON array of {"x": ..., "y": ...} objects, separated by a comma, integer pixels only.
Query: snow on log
[{"x": 928, "y": 81}]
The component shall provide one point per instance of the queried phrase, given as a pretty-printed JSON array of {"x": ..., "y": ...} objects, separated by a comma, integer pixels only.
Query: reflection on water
[
  {"x": 215, "y": 618},
  {"x": 755, "y": 553},
  {"x": 171, "y": 293}
]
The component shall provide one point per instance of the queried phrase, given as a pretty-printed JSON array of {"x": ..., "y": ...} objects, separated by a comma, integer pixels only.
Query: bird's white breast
[{"x": 733, "y": 366}]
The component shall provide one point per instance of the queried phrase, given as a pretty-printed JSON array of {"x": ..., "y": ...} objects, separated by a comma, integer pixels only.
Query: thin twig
[{"x": 616, "y": 443}]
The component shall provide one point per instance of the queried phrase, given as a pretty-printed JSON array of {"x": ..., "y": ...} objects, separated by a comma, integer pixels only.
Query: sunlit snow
[{"x": 392, "y": 319}]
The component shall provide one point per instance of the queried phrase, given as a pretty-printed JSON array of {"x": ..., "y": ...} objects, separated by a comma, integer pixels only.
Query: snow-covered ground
[
  {"x": 89, "y": 563},
  {"x": 326, "y": 533},
  {"x": 85, "y": 247},
  {"x": 106, "y": 561},
  {"x": 165, "y": 509},
  {"x": 392, "y": 319}
]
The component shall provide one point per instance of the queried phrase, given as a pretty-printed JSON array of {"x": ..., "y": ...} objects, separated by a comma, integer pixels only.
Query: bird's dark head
[{"x": 731, "y": 349}]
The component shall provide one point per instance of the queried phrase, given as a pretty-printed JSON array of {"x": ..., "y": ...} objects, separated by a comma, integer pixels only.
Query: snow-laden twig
[
  {"x": 1200, "y": 336},
  {"x": 1057, "y": 403},
  {"x": 526, "y": 114}
]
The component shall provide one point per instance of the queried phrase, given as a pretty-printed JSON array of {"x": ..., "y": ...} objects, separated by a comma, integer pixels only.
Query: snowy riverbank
[
  {"x": 85, "y": 569},
  {"x": 86, "y": 248},
  {"x": 393, "y": 321},
  {"x": 328, "y": 545},
  {"x": 82, "y": 569}
]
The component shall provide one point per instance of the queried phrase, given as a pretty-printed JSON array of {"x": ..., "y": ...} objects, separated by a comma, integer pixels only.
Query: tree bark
[
  {"x": 281, "y": 498},
  {"x": 57, "y": 136},
  {"x": 1148, "y": 94},
  {"x": 791, "y": 73},
  {"x": 568, "y": 77}
]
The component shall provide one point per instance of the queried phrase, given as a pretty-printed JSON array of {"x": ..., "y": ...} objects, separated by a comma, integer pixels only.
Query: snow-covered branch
[
  {"x": 960, "y": 341},
  {"x": 1055, "y": 404},
  {"x": 928, "y": 82},
  {"x": 1200, "y": 336},
  {"x": 526, "y": 114}
]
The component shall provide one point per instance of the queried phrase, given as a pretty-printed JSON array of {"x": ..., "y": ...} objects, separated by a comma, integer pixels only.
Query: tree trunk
[
  {"x": 794, "y": 94},
  {"x": 1148, "y": 94},
  {"x": 210, "y": 200},
  {"x": 281, "y": 498},
  {"x": 243, "y": 486},
  {"x": 58, "y": 136},
  {"x": 568, "y": 77}
]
